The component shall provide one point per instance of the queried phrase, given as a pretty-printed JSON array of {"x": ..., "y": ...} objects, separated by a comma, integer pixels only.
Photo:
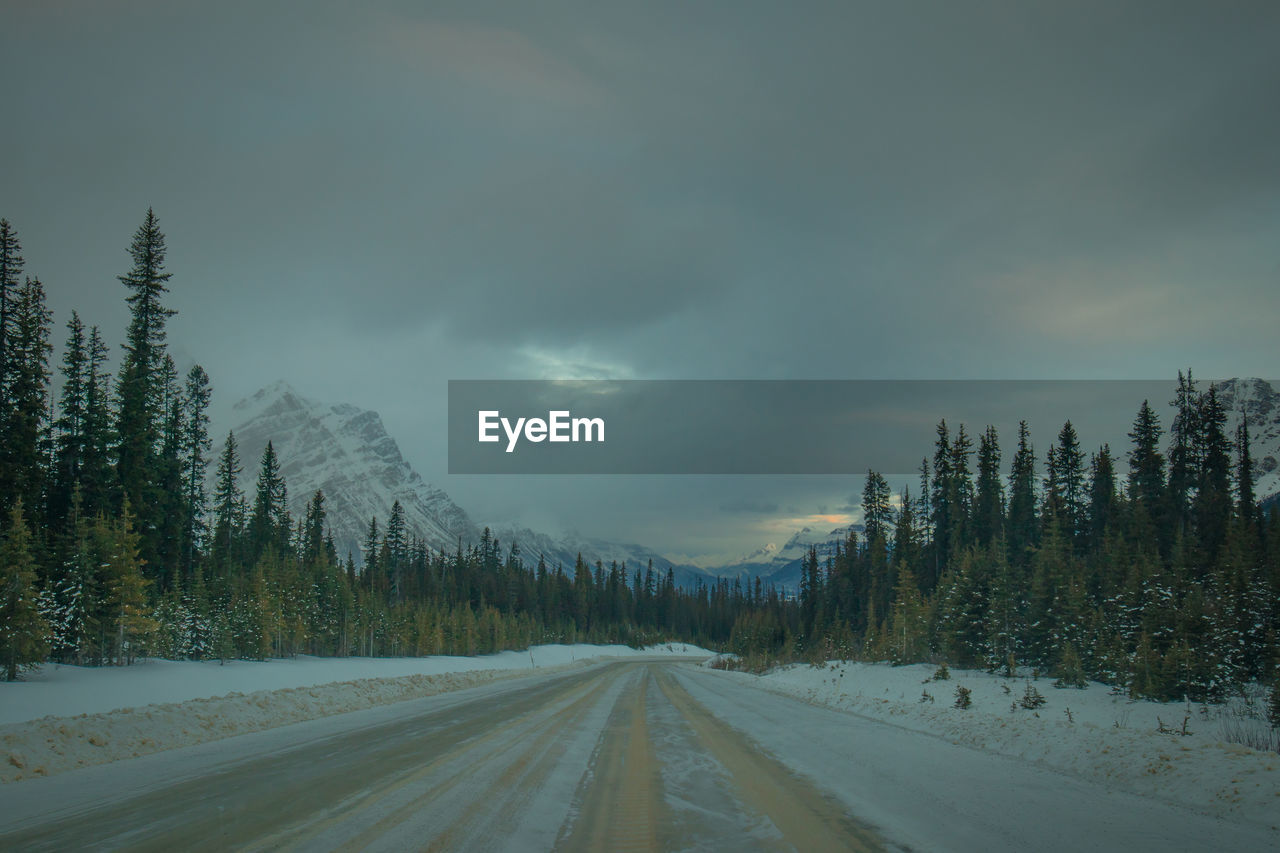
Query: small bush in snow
[
  {"x": 942, "y": 673},
  {"x": 925, "y": 696},
  {"x": 964, "y": 698},
  {"x": 1031, "y": 698}
]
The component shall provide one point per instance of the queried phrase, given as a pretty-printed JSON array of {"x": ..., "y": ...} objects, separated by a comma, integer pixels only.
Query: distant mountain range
[{"x": 347, "y": 452}]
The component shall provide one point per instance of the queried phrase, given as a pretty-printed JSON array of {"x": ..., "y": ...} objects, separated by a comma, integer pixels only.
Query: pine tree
[
  {"x": 988, "y": 511},
  {"x": 69, "y": 440},
  {"x": 1146, "y": 463},
  {"x": 396, "y": 552},
  {"x": 1066, "y": 482},
  {"x": 11, "y": 264},
  {"x": 194, "y": 446},
  {"x": 1212, "y": 505},
  {"x": 1246, "y": 499},
  {"x": 96, "y": 474},
  {"x": 76, "y": 590},
  {"x": 876, "y": 513},
  {"x": 130, "y": 622},
  {"x": 269, "y": 521},
  {"x": 228, "y": 508},
  {"x": 24, "y": 418},
  {"x": 1102, "y": 495},
  {"x": 1023, "y": 524},
  {"x": 23, "y": 630},
  {"x": 140, "y": 391},
  {"x": 1183, "y": 464}
]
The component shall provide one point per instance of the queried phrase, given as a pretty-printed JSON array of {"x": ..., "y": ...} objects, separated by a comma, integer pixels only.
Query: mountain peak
[{"x": 346, "y": 452}]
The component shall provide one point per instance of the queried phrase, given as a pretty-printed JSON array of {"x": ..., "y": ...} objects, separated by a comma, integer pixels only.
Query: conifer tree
[
  {"x": 1023, "y": 525},
  {"x": 1183, "y": 464},
  {"x": 269, "y": 521},
  {"x": 876, "y": 513},
  {"x": 194, "y": 446},
  {"x": 988, "y": 511},
  {"x": 1246, "y": 499},
  {"x": 130, "y": 622},
  {"x": 96, "y": 474},
  {"x": 228, "y": 507},
  {"x": 23, "y": 629},
  {"x": 1065, "y": 486},
  {"x": 140, "y": 391},
  {"x": 1212, "y": 505},
  {"x": 1102, "y": 495},
  {"x": 69, "y": 439},
  {"x": 76, "y": 592},
  {"x": 24, "y": 418},
  {"x": 11, "y": 264},
  {"x": 1146, "y": 463}
]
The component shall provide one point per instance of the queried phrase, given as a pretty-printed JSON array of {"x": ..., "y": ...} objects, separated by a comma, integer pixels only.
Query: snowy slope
[
  {"x": 1259, "y": 402},
  {"x": 564, "y": 550},
  {"x": 781, "y": 566},
  {"x": 345, "y": 451},
  {"x": 1136, "y": 746}
]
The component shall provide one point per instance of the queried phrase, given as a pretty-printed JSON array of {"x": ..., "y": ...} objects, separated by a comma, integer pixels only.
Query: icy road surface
[{"x": 626, "y": 755}]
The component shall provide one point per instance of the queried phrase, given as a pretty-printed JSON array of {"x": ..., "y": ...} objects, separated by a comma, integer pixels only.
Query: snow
[
  {"x": 64, "y": 717},
  {"x": 1104, "y": 738},
  {"x": 66, "y": 691}
]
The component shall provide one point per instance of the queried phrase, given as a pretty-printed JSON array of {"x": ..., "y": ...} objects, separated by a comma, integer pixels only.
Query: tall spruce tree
[
  {"x": 1146, "y": 463},
  {"x": 23, "y": 629},
  {"x": 988, "y": 507},
  {"x": 24, "y": 419},
  {"x": 1183, "y": 464},
  {"x": 1212, "y": 505},
  {"x": 96, "y": 474},
  {"x": 269, "y": 521},
  {"x": 194, "y": 447},
  {"x": 140, "y": 390},
  {"x": 11, "y": 264},
  {"x": 1023, "y": 524},
  {"x": 228, "y": 509},
  {"x": 69, "y": 427}
]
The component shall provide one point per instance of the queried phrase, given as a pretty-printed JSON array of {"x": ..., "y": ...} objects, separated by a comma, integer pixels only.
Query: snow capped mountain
[
  {"x": 1259, "y": 403},
  {"x": 781, "y": 566},
  {"x": 564, "y": 549},
  {"x": 346, "y": 452}
]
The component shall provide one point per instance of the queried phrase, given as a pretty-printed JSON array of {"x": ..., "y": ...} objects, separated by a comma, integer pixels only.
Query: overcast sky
[{"x": 371, "y": 199}]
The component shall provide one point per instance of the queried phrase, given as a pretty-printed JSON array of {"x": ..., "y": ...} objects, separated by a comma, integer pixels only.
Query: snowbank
[
  {"x": 1088, "y": 733},
  {"x": 67, "y": 717},
  {"x": 64, "y": 691}
]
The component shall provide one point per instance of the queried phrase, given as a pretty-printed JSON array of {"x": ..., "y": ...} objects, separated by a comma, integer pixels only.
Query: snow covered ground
[
  {"x": 1087, "y": 733},
  {"x": 63, "y": 717}
]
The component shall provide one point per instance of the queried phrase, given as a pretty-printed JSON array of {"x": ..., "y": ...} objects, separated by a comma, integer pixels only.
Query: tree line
[
  {"x": 1163, "y": 581},
  {"x": 111, "y": 548}
]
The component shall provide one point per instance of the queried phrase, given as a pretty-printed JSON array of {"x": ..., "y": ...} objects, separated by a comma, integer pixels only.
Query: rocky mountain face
[
  {"x": 346, "y": 452},
  {"x": 782, "y": 566},
  {"x": 1257, "y": 402}
]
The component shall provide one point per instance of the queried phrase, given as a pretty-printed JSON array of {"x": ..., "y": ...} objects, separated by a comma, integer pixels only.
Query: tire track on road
[
  {"x": 621, "y": 796},
  {"x": 808, "y": 819}
]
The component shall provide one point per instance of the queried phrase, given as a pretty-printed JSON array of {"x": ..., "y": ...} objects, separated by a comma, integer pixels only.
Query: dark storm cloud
[
  {"x": 745, "y": 506},
  {"x": 373, "y": 200}
]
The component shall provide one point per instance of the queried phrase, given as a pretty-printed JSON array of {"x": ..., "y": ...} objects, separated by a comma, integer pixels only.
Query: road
[{"x": 630, "y": 755}]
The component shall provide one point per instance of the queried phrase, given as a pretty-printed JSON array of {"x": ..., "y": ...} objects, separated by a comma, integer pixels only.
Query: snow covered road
[{"x": 624, "y": 755}]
